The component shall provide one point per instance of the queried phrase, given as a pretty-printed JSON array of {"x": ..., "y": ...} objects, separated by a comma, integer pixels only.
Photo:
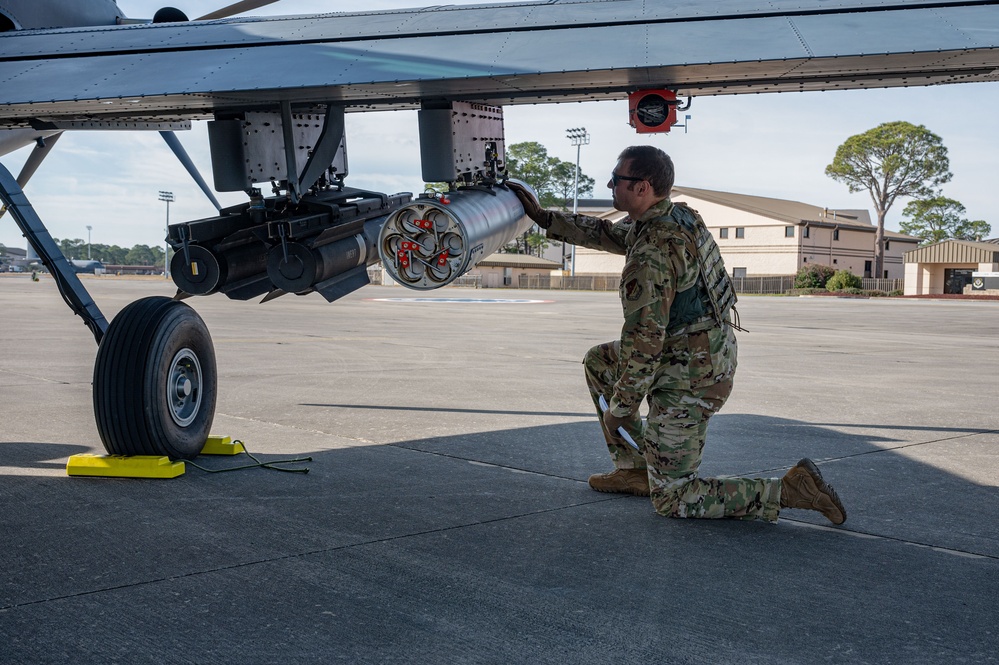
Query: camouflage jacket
[{"x": 660, "y": 261}]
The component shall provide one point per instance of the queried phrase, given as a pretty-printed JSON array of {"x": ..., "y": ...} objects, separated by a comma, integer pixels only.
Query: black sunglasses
[{"x": 615, "y": 178}]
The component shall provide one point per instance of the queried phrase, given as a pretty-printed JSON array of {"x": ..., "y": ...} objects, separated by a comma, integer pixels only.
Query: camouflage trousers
[{"x": 672, "y": 442}]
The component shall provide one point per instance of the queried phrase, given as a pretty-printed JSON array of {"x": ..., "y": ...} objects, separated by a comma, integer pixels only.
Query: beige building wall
[
  {"x": 595, "y": 262},
  {"x": 499, "y": 276},
  {"x": 918, "y": 278},
  {"x": 763, "y": 249},
  {"x": 894, "y": 256},
  {"x": 928, "y": 278},
  {"x": 491, "y": 277},
  {"x": 766, "y": 249},
  {"x": 854, "y": 251},
  {"x": 716, "y": 215}
]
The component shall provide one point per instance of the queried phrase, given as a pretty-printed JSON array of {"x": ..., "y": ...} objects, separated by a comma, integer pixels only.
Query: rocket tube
[{"x": 431, "y": 242}]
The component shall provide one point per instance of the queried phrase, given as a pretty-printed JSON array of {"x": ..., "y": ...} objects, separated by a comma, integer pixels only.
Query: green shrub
[
  {"x": 813, "y": 276},
  {"x": 897, "y": 292},
  {"x": 844, "y": 280}
]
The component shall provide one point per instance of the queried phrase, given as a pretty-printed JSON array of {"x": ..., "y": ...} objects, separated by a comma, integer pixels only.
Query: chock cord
[{"x": 258, "y": 464}]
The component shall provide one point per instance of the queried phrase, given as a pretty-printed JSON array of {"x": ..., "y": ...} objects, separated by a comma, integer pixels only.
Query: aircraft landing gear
[{"x": 155, "y": 381}]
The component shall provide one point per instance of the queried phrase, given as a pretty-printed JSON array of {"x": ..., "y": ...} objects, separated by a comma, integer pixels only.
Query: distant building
[
  {"x": 506, "y": 269},
  {"x": 761, "y": 236},
  {"x": 953, "y": 266},
  {"x": 496, "y": 271},
  {"x": 13, "y": 259}
]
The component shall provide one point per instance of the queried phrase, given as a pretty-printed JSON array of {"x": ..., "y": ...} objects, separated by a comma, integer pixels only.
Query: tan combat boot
[
  {"x": 803, "y": 487},
  {"x": 625, "y": 481}
]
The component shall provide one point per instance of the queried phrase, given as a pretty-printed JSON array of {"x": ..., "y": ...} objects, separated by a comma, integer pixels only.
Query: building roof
[
  {"x": 792, "y": 212},
  {"x": 779, "y": 209},
  {"x": 518, "y": 261},
  {"x": 595, "y": 204},
  {"x": 955, "y": 251},
  {"x": 602, "y": 208},
  {"x": 782, "y": 210}
]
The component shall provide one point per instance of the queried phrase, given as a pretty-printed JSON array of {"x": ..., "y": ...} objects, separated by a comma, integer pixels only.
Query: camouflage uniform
[{"x": 674, "y": 351}]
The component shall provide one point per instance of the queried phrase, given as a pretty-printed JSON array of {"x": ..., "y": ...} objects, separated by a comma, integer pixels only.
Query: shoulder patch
[{"x": 633, "y": 289}]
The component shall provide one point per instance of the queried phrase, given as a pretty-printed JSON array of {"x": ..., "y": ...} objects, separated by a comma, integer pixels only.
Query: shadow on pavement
[
  {"x": 489, "y": 547},
  {"x": 25, "y": 455}
]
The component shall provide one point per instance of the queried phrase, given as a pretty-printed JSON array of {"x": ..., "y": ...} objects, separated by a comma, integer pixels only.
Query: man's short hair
[{"x": 650, "y": 163}]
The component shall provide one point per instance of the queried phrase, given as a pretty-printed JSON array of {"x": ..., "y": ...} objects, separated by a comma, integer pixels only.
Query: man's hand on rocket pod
[{"x": 531, "y": 206}]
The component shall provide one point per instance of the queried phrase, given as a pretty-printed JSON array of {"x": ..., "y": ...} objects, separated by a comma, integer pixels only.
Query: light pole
[
  {"x": 168, "y": 197},
  {"x": 579, "y": 137},
  {"x": 89, "y": 229}
]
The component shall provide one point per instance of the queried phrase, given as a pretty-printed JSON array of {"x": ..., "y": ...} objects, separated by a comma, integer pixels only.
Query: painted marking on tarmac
[
  {"x": 966, "y": 555},
  {"x": 845, "y": 532},
  {"x": 871, "y": 536},
  {"x": 468, "y": 301},
  {"x": 505, "y": 468}
]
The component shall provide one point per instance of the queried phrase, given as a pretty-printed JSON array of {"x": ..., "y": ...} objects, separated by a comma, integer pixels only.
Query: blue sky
[{"x": 773, "y": 145}]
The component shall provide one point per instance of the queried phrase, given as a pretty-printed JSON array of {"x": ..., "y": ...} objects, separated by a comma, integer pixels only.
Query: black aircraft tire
[{"x": 155, "y": 381}]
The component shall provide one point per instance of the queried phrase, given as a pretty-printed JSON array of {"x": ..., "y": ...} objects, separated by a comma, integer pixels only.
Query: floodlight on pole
[
  {"x": 168, "y": 198},
  {"x": 579, "y": 137},
  {"x": 89, "y": 229}
]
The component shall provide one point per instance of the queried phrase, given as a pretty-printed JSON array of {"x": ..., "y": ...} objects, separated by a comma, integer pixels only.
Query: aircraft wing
[{"x": 558, "y": 50}]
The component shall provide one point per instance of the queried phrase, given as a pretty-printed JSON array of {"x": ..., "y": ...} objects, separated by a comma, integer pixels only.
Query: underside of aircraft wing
[
  {"x": 460, "y": 66},
  {"x": 563, "y": 50}
]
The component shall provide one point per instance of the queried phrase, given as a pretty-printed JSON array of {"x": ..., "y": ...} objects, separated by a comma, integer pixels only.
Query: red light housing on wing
[{"x": 652, "y": 111}]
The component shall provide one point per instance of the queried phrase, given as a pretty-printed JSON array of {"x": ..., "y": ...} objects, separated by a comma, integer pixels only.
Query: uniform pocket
[{"x": 713, "y": 355}]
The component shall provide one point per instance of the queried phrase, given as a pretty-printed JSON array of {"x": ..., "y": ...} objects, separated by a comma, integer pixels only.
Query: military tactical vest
[{"x": 711, "y": 299}]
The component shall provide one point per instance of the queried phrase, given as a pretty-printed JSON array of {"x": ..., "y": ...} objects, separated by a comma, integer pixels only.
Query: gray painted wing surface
[
  {"x": 477, "y": 19},
  {"x": 500, "y": 54}
]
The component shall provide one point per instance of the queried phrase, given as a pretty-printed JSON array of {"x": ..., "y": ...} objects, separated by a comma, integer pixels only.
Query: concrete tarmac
[{"x": 446, "y": 517}]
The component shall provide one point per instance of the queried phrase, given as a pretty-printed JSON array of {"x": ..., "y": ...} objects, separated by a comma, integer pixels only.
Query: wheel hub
[{"x": 184, "y": 387}]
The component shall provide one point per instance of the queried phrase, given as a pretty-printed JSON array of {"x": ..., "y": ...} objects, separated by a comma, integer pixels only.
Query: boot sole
[
  {"x": 809, "y": 466},
  {"x": 620, "y": 491}
]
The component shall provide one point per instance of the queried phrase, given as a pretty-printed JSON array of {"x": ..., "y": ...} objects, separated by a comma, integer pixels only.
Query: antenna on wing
[
  {"x": 235, "y": 8},
  {"x": 185, "y": 159}
]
